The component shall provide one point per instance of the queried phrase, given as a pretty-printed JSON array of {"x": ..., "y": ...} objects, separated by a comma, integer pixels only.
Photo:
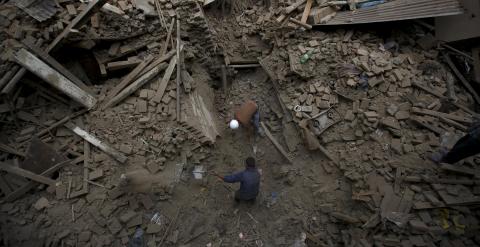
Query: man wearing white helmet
[{"x": 247, "y": 116}]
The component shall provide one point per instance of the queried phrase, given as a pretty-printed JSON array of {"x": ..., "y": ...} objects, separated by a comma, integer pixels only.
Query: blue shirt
[{"x": 249, "y": 182}]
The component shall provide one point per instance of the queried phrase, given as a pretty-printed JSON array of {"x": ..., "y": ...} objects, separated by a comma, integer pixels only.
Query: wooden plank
[
  {"x": 441, "y": 114},
  {"x": 118, "y": 65},
  {"x": 276, "y": 144},
  {"x": 60, "y": 122},
  {"x": 462, "y": 79},
  {"x": 425, "y": 124},
  {"x": 438, "y": 94},
  {"x": 126, "y": 80},
  {"x": 454, "y": 181},
  {"x": 8, "y": 76},
  {"x": 27, "y": 174},
  {"x": 457, "y": 169},
  {"x": 135, "y": 85},
  {"x": 24, "y": 189},
  {"x": 454, "y": 124},
  {"x": 166, "y": 78},
  {"x": 97, "y": 143},
  {"x": 157, "y": 62},
  {"x": 7, "y": 149},
  {"x": 306, "y": 11},
  {"x": 179, "y": 70},
  {"x": 11, "y": 84},
  {"x": 54, "y": 78},
  {"x": 427, "y": 89},
  {"x": 86, "y": 163},
  {"x": 169, "y": 36}
]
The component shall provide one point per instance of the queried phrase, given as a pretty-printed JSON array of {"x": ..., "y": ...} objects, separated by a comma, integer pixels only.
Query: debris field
[{"x": 114, "y": 114}]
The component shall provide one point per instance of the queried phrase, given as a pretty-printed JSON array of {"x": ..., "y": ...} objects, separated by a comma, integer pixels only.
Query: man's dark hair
[{"x": 250, "y": 162}]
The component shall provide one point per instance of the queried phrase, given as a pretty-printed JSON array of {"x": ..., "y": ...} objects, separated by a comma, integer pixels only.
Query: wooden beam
[
  {"x": 166, "y": 78},
  {"x": 420, "y": 121},
  {"x": 304, "y": 25},
  {"x": 438, "y": 94},
  {"x": 441, "y": 114},
  {"x": 462, "y": 79},
  {"x": 24, "y": 189},
  {"x": 54, "y": 78},
  {"x": 179, "y": 70},
  {"x": 97, "y": 143},
  {"x": 454, "y": 124},
  {"x": 118, "y": 65},
  {"x": 157, "y": 62},
  {"x": 169, "y": 36},
  {"x": 60, "y": 122},
  {"x": 276, "y": 144},
  {"x": 306, "y": 11},
  {"x": 86, "y": 160},
  {"x": 126, "y": 80},
  {"x": 26, "y": 174},
  {"x": 457, "y": 169},
  {"x": 13, "y": 81},
  {"x": 135, "y": 85},
  {"x": 428, "y": 89}
]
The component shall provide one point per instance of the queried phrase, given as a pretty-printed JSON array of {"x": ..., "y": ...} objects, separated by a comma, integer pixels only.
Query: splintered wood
[{"x": 97, "y": 143}]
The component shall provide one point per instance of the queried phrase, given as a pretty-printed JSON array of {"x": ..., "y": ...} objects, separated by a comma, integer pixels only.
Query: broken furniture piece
[{"x": 324, "y": 120}]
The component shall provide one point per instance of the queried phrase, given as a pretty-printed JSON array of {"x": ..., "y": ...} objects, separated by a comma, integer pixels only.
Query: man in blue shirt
[{"x": 249, "y": 181}]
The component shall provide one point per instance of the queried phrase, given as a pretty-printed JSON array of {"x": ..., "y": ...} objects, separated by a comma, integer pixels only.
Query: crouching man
[{"x": 249, "y": 180}]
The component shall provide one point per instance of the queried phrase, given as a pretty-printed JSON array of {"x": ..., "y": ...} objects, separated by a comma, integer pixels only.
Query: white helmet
[{"x": 234, "y": 124}]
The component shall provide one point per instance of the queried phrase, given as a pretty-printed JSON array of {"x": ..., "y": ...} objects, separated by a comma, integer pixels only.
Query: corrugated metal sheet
[
  {"x": 398, "y": 10},
  {"x": 40, "y": 10}
]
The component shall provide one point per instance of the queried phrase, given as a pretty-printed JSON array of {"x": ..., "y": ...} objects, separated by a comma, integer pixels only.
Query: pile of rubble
[
  {"x": 373, "y": 104},
  {"x": 108, "y": 107}
]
